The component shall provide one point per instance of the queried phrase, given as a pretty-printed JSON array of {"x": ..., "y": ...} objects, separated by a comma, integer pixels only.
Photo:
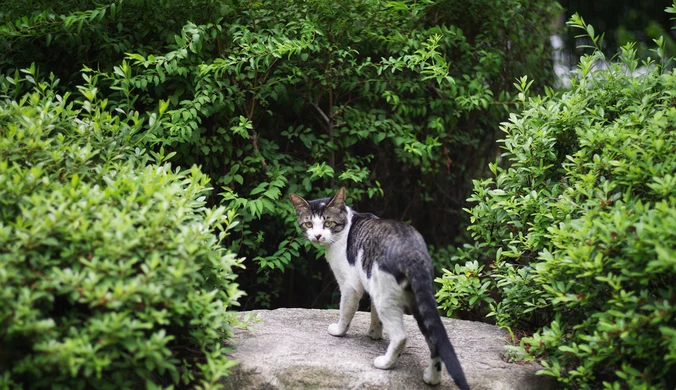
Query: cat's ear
[
  {"x": 338, "y": 200},
  {"x": 299, "y": 203}
]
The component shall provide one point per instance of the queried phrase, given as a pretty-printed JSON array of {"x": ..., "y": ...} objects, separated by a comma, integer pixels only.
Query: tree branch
[{"x": 326, "y": 118}]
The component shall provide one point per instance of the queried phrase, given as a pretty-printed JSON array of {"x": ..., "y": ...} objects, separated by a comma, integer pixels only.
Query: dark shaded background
[{"x": 622, "y": 21}]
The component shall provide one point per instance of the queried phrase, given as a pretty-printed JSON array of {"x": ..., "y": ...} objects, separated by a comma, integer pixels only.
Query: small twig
[
  {"x": 254, "y": 142},
  {"x": 504, "y": 103},
  {"x": 326, "y": 118}
]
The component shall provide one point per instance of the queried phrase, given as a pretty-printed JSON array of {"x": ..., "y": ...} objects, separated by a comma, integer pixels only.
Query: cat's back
[
  {"x": 367, "y": 223},
  {"x": 383, "y": 238}
]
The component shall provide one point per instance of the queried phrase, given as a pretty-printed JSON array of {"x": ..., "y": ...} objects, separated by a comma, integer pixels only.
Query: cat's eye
[
  {"x": 306, "y": 225},
  {"x": 329, "y": 224}
]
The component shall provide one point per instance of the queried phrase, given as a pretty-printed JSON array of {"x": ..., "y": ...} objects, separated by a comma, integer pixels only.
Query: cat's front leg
[
  {"x": 376, "y": 329},
  {"x": 349, "y": 302}
]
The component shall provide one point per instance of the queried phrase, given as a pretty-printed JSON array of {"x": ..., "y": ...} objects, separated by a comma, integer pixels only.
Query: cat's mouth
[{"x": 320, "y": 241}]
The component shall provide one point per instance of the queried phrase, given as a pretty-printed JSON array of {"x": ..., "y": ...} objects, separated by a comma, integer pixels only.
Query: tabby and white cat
[{"x": 389, "y": 261}]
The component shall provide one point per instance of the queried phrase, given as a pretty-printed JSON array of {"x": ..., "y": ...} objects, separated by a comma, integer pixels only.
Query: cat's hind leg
[
  {"x": 376, "y": 329},
  {"x": 392, "y": 316},
  {"x": 389, "y": 299},
  {"x": 432, "y": 374}
]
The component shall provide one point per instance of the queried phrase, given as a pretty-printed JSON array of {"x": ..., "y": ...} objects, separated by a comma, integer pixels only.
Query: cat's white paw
[
  {"x": 337, "y": 330},
  {"x": 375, "y": 333},
  {"x": 432, "y": 376},
  {"x": 383, "y": 363}
]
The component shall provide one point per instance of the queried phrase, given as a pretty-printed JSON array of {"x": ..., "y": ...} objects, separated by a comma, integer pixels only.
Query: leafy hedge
[
  {"x": 576, "y": 232},
  {"x": 111, "y": 273},
  {"x": 62, "y": 36},
  {"x": 397, "y": 100}
]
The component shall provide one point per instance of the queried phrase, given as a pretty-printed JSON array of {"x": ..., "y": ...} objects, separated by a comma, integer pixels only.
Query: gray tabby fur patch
[{"x": 388, "y": 260}]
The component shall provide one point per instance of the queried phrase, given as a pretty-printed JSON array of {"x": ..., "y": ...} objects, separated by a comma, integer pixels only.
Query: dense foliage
[
  {"x": 62, "y": 36},
  {"x": 576, "y": 232},
  {"x": 397, "y": 100},
  {"x": 111, "y": 273}
]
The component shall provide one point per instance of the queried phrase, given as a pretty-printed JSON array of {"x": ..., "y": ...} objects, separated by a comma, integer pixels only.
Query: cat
[{"x": 388, "y": 260}]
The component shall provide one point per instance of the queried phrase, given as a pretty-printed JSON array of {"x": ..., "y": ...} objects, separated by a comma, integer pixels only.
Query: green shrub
[
  {"x": 62, "y": 36},
  {"x": 576, "y": 233},
  {"x": 111, "y": 273},
  {"x": 399, "y": 101}
]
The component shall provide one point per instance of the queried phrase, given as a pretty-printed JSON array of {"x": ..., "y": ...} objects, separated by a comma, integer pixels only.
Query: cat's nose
[{"x": 318, "y": 236}]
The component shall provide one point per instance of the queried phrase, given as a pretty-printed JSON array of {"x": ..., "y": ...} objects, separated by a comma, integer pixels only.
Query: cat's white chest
[{"x": 336, "y": 254}]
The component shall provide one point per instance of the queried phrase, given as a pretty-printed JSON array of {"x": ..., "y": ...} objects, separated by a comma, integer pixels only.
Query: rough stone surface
[{"x": 291, "y": 349}]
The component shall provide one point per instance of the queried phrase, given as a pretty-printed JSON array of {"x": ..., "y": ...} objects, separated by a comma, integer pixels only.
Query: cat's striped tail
[{"x": 431, "y": 326}]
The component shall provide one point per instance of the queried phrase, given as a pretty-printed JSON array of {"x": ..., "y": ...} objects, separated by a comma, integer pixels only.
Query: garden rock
[{"x": 291, "y": 349}]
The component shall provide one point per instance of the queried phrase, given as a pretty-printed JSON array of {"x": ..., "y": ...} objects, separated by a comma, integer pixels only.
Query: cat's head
[{"x": 321, "y": 220}]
